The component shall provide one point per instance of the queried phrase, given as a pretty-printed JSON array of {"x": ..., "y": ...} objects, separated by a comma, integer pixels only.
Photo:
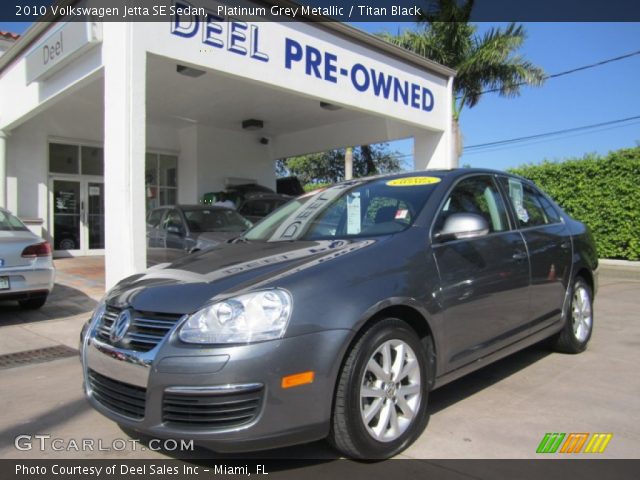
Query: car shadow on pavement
[
  {"x": 43, "y": 423},
  {"x": 64, "y": 301},
  {"x": 485, "y": 377}
]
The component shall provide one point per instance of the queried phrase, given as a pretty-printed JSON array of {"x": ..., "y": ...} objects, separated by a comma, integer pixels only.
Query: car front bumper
[
  {"x": 36, "y": 279},
  {"x": 224, "y": 381}
]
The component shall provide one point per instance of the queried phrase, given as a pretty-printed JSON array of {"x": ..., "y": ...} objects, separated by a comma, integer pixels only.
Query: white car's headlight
[{"x": 246, "y": 318}]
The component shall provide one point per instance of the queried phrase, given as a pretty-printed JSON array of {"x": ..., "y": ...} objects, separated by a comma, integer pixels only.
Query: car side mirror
[{"x": 463, "y": 225}]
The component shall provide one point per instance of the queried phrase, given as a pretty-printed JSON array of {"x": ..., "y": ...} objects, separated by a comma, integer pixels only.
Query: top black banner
[{"x": 316, "y": 10}]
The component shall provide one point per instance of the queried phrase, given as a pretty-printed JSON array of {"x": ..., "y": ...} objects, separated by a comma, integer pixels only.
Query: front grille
[
  {"x": 211, "y": 410},
  {"x": 145, "y": 332},
  {"x": 122, "y": 398}
]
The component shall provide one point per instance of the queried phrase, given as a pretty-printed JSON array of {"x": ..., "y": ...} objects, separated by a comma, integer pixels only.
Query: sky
[
  {"x": 597, "y": 95},
  {"x": 601, "y": 94}
]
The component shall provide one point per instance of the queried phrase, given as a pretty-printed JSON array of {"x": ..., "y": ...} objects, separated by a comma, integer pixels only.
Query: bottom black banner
[{"x": 315, "y": 469}]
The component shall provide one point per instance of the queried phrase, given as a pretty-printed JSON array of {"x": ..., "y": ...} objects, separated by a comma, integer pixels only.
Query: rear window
[
  {"x": 10, "y": 223},
  {"x": 215, "y": 220},
  {"x": 532, "y": 209}
]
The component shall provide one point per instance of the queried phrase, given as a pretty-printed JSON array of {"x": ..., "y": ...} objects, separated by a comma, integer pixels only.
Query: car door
[
  {"x": 549, "y": 245},
  {"x": 153, "y": 227},
  {"x": 174, "y": 231},
  {"x": 484, "y": 281}
]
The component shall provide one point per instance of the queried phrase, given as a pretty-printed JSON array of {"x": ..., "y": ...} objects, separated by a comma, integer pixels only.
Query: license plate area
[{"x": 4, "y": 283}]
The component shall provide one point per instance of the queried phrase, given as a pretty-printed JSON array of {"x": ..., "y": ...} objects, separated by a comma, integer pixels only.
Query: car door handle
[{"x": 519, "y": 256}]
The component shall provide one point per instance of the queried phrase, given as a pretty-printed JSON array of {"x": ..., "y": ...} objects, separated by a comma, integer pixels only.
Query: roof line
[
  {"x": 367, "y": 39},
  {"x": 363, "y": 38},
  {"x": 28, "y": 38},
  {"x": 389, "y": 48},
  {"x": 9, "y": 35}
]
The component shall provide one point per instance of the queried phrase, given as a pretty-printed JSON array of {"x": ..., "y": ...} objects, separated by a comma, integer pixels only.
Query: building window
[
  {"x": 161, "y": 179},
  {"x": 64, "y": 158},
  {"x": 161, "y": 170},
  {"x": 92, "y": 160}
]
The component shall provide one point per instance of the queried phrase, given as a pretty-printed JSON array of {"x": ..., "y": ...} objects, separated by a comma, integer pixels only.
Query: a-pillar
[{"x": 124, "y": 151}]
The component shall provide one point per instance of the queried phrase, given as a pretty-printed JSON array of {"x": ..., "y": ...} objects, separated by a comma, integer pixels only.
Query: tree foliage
[
  {"x": 600, "y": 191},
  {"x": 328, "y": 167},
  {"x": 487, "y": 62}
]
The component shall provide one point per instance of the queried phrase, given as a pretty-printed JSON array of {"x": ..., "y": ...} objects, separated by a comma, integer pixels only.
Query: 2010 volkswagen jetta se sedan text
[{"x": 337, "y": 314}]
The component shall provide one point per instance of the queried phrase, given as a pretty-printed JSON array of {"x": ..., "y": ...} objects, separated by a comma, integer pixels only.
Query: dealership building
[{"x": 100, "y": 121}]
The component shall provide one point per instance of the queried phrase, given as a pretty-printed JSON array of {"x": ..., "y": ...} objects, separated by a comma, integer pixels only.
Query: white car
[{"x": 26, "y": 266}]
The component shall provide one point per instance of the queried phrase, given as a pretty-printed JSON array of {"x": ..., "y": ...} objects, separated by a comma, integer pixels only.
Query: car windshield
[
  {"x": 355, "y": 209},
  {"x": 215, "y": 220},
  {"x": 9, "y": 222}
]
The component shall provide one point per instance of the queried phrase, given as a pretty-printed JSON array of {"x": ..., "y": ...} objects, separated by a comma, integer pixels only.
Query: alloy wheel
[
  {"x": 390, "y": 391},
  {"x": 581, "y": 316}
]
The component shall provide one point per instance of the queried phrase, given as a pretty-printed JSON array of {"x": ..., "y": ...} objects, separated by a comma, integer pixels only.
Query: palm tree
[{"x": 483, "y": 63}]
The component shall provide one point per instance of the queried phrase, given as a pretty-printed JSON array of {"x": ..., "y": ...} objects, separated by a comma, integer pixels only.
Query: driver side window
[
  {"x": 478, "y": 195},
  {"x": 172, "y": 219}
]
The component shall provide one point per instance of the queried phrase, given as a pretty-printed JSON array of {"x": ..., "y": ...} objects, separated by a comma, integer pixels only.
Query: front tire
[
  {"x": 575, "y": 335},
  {"x": 381, "y": 397}
]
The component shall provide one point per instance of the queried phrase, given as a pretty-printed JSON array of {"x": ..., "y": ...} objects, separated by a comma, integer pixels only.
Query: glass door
[
  {"x": 95, "y": 215},
  {"x": 78, "y": 216},
  {"x": 67, "y": 215}
]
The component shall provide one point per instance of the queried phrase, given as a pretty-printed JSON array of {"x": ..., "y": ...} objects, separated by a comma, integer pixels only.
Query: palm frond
[{"x": 488, "y": 62}]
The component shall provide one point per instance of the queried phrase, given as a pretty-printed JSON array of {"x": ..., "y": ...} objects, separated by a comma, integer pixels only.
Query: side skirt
[{"x": 532, "y": 339}]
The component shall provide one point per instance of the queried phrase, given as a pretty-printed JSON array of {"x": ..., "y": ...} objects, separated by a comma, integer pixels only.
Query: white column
[
  {"x": 188, "y": 165},
  {"x": 432, "y": 150},
  {"x": 348, "y": 163},
  {"x": 3, "y": 169},
  {"x": 452, "y": 134},
  {"x": 124, "y": 151}
]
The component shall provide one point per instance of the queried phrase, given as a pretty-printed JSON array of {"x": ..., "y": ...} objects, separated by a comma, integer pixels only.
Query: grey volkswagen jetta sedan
[{"x": 337, "y": 314}]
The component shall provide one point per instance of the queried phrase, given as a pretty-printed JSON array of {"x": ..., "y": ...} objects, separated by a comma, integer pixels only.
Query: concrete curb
[
  {"x": 619, "y": 268},
  {"x": 619, "y": 263}
]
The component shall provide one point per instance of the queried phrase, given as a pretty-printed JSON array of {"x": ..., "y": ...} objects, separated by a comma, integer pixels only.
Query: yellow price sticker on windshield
[{"x": 412, "y": 181}]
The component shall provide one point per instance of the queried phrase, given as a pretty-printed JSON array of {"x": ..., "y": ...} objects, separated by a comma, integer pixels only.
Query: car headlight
[
  {"x": 95, "y": 318},
  {"x": 246, "y": 318},
  {"x": 98, "y": 312}
]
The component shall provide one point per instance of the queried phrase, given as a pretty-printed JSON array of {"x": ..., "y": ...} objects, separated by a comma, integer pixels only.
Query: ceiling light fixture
[
  {"x": 189, "y": 71},
  {"x": 252, "y": 124}
]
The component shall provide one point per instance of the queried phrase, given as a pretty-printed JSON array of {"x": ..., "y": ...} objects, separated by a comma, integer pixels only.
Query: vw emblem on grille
[{"x": 120, "y": 326}]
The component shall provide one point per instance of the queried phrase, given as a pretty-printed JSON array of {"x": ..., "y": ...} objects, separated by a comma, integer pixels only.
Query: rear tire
[
  {"x": 32, "y": 303},
  {"x": 575, "y": 335},
  {"x": 380, "y": 405}
]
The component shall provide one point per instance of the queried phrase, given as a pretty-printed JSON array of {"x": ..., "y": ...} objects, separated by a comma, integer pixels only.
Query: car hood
[
  {"x": 186, "y": 284},
  {"x": 214, "y": 238}
]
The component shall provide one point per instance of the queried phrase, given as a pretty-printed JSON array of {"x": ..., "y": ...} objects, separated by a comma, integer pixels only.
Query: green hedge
[{"x": 603, "y": 192}]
